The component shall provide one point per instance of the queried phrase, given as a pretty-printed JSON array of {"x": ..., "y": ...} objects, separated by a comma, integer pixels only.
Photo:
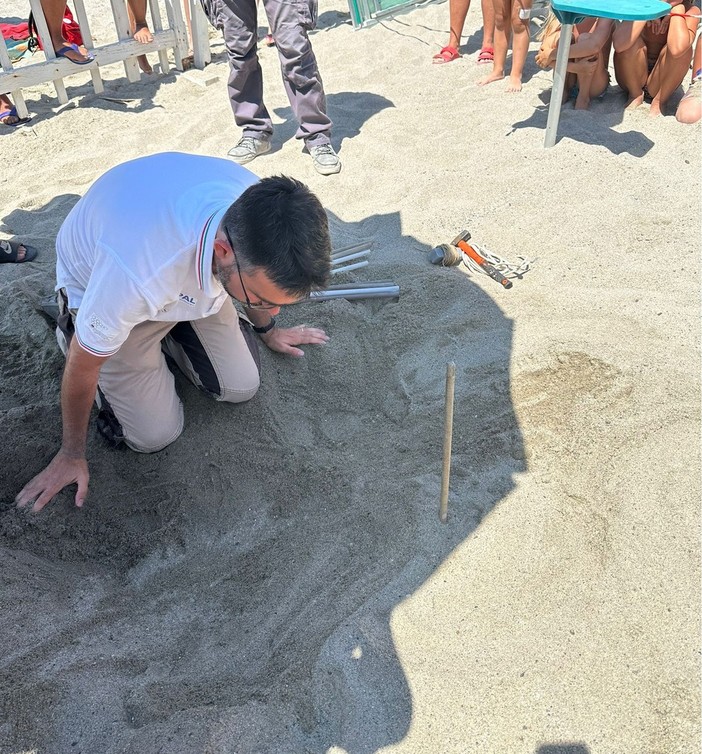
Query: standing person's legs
[
  {"x": 520, "y": 45},
  {"x": 487, "y": 50},
  {"x": 237, "y": 20},
  {"x": 54, "y": 11},
  {"x": 140, "y": 30},
  {"x": 503, "y": 32},
  {"x": 290, "y": 23}
]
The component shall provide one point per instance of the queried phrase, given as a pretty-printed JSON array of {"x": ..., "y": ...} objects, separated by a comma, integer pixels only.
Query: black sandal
[{"x": 10, "y": 250}]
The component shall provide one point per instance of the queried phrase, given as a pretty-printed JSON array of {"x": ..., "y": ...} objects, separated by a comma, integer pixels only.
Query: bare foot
[
  {"x": 144, "y": 64},
  {"x": 514, "y": 84},
  {"x": 656, "y": 109},
  {"x": 634, "y": 102},
  {"x": 582, "y": 101},
  {"x": 142, "y": 34},
  {"x": 494, "y": 76}
]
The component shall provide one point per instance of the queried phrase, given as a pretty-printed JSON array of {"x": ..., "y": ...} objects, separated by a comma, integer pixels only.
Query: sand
[{"x": 277, "y": 581}]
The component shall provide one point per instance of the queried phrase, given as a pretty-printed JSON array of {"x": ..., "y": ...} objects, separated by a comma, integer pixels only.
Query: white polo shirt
[{"x": 138, "y": 246}]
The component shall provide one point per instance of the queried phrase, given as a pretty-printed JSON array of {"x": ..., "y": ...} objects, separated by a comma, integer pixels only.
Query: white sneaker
[
  {"x": 325, "y": 160},
  {"x": 248, "y": 149}
]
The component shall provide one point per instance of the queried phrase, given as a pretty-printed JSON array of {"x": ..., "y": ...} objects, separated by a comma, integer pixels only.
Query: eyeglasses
[{"x": 261, "y": 305}]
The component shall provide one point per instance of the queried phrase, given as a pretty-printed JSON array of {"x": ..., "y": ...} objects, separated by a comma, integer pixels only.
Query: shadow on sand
[{"x": 233, "y": 593}]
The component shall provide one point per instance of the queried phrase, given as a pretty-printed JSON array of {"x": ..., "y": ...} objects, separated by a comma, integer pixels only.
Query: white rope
[{"x": 508, "y": 269}]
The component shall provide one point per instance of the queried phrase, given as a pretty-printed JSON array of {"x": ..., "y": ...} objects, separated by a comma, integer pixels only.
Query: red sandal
[
  {"x": 486, "y": 55},
  {"x": 446, "y": 55}
]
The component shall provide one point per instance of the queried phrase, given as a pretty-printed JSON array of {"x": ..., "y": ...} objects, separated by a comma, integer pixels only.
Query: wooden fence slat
[
  {"x": 82, "y": 19},
  {"x": 200, "y": 34},
  {"x": 40, "y": 73},
  {"x": 124, "y": 32},
  {"x": 157, "y": 25},
  {"x": 49, "y": 51},
  {"x": 16, "y": 93}
]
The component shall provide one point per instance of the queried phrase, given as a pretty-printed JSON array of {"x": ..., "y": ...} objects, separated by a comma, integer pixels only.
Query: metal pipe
[
  {"x": 358, "y": 290},
  {"x": 344, "y": 250},
  {"x": 336, "y": 270},
  {"x": 348, "y": 257}
]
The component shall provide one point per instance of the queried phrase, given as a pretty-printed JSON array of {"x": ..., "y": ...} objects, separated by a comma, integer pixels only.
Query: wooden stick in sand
[{"x": 448, "y": 435}]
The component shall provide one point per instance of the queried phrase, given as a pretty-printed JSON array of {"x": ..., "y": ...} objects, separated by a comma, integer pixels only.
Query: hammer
[
  {"x": 461, "y": 240},
  {"x": 448, "y": 255}
]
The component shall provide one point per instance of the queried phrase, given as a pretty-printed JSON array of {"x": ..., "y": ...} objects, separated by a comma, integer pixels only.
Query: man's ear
[{"x": 223, "y": 251}]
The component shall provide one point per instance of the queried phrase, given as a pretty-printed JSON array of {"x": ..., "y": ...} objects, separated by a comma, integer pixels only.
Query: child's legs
[
  {"x": 503, "y": 32},
  {"x": 488, "y": 10},
  {"x": 458, "y": 9},
  {"x": 520, "y": 40},
  {"x": 631, "y": 70}
]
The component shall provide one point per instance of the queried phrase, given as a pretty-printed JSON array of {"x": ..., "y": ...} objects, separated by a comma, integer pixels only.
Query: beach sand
[{"x": 277, "y": 581}]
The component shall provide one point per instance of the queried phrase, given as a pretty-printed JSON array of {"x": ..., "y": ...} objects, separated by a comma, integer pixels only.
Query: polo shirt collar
[{"x": 206, "y": 280}]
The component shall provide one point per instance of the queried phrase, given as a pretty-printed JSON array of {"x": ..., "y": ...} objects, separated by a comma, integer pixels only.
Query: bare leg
[
  {"x": 488, "y": 11},
  {"x": 458, "y": 10},
  {"x": 631, "y": 71},
  {"x": 53, "y": 13},
  {"x": 690, "y": 107},
  {"x": 140, "y": 30},
  {"x": 503, "y": 31},
  {"x": 673, "y": 62},
  {"x": 520, "y": 45}
]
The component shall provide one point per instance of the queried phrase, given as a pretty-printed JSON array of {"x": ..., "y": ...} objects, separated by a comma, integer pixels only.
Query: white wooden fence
[{"x": 173, "y": 37}]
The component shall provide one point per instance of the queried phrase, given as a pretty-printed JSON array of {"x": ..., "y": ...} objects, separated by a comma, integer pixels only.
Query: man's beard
[{"x": 223, "y": 273}]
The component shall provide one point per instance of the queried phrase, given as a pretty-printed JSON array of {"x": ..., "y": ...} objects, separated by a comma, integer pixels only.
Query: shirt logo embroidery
[
  {"x": 103, "y": 331},
  {"x": 187, "y": 299}
]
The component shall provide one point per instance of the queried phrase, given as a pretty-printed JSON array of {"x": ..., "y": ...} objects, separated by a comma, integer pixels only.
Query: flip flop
[
  {"x": 446, "y": 55},
  {"x": 9, "y": 251},
  {"x": 7, "y": 113},
  {"x": 486, "y": 55},
  {"x": 62, "y": 53}
]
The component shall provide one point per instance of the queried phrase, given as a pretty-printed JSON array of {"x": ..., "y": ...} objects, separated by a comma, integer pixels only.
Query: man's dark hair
[{"x": 279, "y": 225}]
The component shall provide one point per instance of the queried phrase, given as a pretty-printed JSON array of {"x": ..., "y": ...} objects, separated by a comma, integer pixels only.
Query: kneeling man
[{"x": 148, "y": 261}]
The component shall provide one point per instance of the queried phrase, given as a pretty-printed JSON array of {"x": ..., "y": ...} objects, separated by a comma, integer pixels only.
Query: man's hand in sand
[
  {"x": 62, "y": 471},
  {"x": 285, "y": 339}
]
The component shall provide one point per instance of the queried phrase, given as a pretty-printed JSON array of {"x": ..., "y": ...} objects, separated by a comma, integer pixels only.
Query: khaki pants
[{"x": 218, "y": 354}]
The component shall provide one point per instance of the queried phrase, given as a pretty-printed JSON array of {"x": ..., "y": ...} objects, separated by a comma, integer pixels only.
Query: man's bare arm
[{"x": 68, "y": 466}]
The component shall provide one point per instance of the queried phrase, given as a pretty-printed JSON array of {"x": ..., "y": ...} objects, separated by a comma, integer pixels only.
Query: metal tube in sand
[
  {"x": 349, "y": 257},
  {"x": 354, "y": 266},
  {"x": 448, "y": 436},
  {"x": 357, "y": 290},
  {"x": 345, "y": 250}
]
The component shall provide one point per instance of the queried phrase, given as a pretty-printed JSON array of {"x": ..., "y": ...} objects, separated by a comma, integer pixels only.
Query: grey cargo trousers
[{"x": 289, "y": 21}]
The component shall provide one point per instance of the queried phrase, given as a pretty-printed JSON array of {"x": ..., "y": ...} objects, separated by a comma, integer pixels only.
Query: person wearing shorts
[{"x": 149, "y": 262}]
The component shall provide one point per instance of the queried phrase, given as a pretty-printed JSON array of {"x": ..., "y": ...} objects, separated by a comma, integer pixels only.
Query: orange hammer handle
[{"x": 479, "y": 260}]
